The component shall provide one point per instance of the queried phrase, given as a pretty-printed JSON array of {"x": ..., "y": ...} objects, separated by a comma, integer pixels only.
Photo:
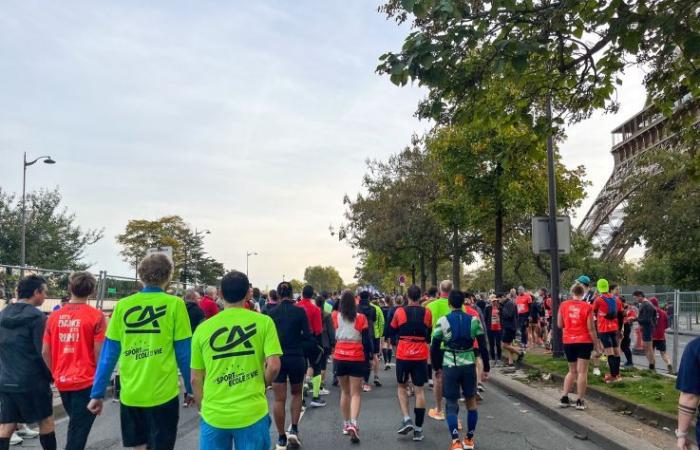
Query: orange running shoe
[
  {"x": 435, "y": 414},
  {"x": 456, "y": 445},
  {"x": 468, "y": 444}
]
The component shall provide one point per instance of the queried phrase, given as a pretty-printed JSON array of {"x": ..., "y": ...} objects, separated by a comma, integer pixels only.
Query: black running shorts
[
  {"x": 26, "y": 407},
  {"x": 660, "y": 345},
  {"x": 292, "y": 368},
  {"x": 508, "y": 336},
  {"x": 416, "y": 371},
  {"x": 609, "y": 340},
  {"x": 575, "y": 352},
  {"x": 154, "y": 426},
  {"x": 356, "y": 369}
]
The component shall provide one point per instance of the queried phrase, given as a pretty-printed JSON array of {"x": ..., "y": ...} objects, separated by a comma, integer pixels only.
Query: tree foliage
[
  {"x": 323, "y": 278},
  {"x": 53, "y": 240}
]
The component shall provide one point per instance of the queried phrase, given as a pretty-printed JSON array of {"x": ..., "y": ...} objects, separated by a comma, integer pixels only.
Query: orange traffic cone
[{"x": 639, "y": 343}]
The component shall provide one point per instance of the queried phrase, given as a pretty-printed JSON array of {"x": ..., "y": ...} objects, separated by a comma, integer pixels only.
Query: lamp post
[
  {"x": 247, "y": 257},
  {"x": 47, "y": 160}
]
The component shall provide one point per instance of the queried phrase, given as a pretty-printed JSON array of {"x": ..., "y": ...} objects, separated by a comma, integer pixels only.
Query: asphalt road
[{"x": 504, "y": 423}]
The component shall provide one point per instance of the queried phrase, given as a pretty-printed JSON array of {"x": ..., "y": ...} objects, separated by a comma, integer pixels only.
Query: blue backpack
[
  {"x": 461, "y": 331},
  {"x": 612, "y": 307}
]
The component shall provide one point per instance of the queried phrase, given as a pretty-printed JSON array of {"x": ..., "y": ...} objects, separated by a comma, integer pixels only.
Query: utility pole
[{"x": 557, "y": 349}]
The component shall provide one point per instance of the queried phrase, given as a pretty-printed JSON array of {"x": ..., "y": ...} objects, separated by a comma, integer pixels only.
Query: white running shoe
[
  {"x": 27, "y": 433},
  {"x": 324, "y": 391},
  {"x": 15, "y": 439}
]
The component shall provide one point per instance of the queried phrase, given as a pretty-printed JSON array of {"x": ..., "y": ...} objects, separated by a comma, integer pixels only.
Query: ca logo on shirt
[
  {"x": 142, "y": 320},
  {"x": 234, "y": 337}
]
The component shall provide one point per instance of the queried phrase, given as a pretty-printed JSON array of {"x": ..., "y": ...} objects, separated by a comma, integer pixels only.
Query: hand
[
  {"x": 95, "y": 406},
  {"x": 682, "y": 443},
  {"x": 189, "y": 400},
  {"x": 485, "y": 376}
]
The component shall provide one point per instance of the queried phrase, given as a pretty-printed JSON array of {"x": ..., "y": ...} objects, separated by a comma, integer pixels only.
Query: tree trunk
[
  {"x": 498, "y": 253},
  {"x": 413, "y": 273},
  {"x": 434, "y": 267},
  {"x": 456, "y": 269},
  {"x": 423, "y": 275}
]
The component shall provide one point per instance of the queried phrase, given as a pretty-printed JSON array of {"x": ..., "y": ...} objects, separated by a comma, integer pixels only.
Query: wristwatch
[{"x": 681, "y": 434}]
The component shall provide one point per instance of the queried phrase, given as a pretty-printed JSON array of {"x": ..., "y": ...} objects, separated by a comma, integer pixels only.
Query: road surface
[{"x": 504, "y": 424}]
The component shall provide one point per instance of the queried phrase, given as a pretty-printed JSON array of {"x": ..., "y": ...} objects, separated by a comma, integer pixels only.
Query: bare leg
[
  {"x": 569, "y": 379},
  {"x": 278, "y": 408},
  {"x": 355, "y": 397},
  {"x": 297, "y": 390},
  {"x": 582, "y": 380},
  {"x": 403, "y": 399},
  {"x": 345, "y": 397},
  {"x": 437, "y": 389}
]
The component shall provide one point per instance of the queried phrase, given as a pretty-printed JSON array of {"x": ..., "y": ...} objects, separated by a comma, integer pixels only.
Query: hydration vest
[{"x": 414, "y": 329}]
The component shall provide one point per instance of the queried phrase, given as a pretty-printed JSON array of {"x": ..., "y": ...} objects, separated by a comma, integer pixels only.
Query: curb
[{"x": 600, "y": 433}]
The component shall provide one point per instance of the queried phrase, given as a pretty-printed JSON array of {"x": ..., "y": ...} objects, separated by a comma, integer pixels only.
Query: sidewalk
[{"x": 603, "y": 426}]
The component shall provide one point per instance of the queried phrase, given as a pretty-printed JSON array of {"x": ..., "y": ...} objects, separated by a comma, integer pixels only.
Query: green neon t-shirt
[
  {"x": 438, "y": 309},
  {"x": 146, "y": 325},
  {"x": 231, "y": 348}
]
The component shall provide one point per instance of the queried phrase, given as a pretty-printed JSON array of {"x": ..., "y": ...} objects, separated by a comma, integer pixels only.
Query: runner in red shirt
[
  {"x": 576, "y": 320},
  {"x": 72, "y": 343},
  {"x": 208, "y": 303},
  {"x": 608, "y": 327},
  {"x": 412, "y": 325},
  {"x": 523, "y": 302},
  {"x": 659, "y": 335},
  {"x": 313, "y": 313},
  {"x": 630, "y": 315}
]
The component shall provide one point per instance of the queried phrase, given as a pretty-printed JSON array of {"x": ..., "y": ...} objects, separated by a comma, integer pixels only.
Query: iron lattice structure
[{"x": 605, "y": 221}]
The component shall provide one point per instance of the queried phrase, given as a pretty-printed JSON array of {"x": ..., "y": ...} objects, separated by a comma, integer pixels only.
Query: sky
[{"x": 248, "y": 119}]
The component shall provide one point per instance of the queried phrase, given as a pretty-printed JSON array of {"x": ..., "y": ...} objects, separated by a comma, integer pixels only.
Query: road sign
[
  {"x": 112, "y": 291},
  {"x": 167, "y": 250},
  {"x": 540, "y": 234}
]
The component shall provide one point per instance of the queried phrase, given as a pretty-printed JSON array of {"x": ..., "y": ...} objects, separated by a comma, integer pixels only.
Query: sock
[
  {"x": 611, "y": 364},
  {"x": 420, "y": 416},
  {"x": 390, "y": 352},
  {"x": 472, "y": 419},
  {"x": 453, "y": 426},
  {"x": 295, "y": 428},
  {"x": 652, "y": 367},
  {"x": 48, "y": 441},
  {"x": 617, "y": 365},
  {"x": 385, "y": 355},
  {"x": 406, "y": 418},
  {"x": 316, "y": 381},
  {"x": 4, "y": 443},
  {"x": 283, "y": 437}
]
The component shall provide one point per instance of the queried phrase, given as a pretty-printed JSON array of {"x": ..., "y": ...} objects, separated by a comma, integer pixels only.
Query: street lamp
[
  {"x": 247, "y": 257},
  {"x": 25, "y": 164}
]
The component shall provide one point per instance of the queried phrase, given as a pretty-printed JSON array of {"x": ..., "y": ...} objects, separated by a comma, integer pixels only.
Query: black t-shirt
[{"x": 292, "y": 328}]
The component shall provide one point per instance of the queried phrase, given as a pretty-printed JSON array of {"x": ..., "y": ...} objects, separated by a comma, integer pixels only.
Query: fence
[{"x": 110, "y": 288}]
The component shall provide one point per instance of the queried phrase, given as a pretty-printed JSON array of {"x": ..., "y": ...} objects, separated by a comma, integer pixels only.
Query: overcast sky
[{"x": 250, "y": 119}]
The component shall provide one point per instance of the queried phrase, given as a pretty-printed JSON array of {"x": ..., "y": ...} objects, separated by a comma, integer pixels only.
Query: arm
[
  {"x": 46, "y": 354},
  {"x": 436, "y": 353},
  {"x": 592, "y": 332},
  {"x": 687, "y": 405},
  {"x": 560, "y": 320},
  {"x": 272, "y": 369},
  {"x": 484, "y": 351},
  {"x": 183, "y": 354},
  {"x": 367, "y": 344},
  {"x": 198, "y": 386}
]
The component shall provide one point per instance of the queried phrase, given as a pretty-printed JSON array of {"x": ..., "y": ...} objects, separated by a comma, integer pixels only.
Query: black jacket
[
  {"x": 22, "y": 369},
  {"x": 509, "y": 315},
  {"x": 328, "y": 334},
  {"x": 292, "y": 328},
  {"x": 196, "y": 314}
]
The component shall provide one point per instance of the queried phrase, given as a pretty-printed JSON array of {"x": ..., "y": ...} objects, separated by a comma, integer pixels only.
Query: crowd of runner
[{"x": 226, "y": 347}]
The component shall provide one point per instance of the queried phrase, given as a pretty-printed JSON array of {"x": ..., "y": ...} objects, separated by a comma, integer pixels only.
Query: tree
[
  {"x": 297, "y": 286},
  {"x": 170, "y": 231},
  {"x": 323, "y": 278},
  {"x": 53, "y": 240}
]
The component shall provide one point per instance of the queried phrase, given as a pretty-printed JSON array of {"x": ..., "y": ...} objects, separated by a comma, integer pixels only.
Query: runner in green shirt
[
  {"x": 235, "y": 355},
  {"x": 438, "y": 309},
  {"x": 149, "y": 334}
]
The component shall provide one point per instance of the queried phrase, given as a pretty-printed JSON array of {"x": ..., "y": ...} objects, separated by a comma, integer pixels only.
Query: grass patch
[{"x": 639, "y": 386}]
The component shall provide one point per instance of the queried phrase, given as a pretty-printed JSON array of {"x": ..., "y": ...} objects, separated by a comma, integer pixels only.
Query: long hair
[{"x": 348, "y": 307}]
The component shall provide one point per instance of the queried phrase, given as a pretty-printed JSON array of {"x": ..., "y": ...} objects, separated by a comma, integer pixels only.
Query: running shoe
[
  {"x": 324, "y": 391},
  {"x": 435, "y": 414},
  {"x": 481, "y": 387},
  {"x": 670, "y": 369},
  {"x": 596, "y": 371},
  {"x": 479, "y": 397},
  {"x": 405, "y": 427},
  {"x": 468, "y": 444},
  {"x": 293, "y": 441},
  {"x": 366, "y": 387},
  {"x": 456, "y": 445},
  {"x": 281, "y": 443},
  {"x": 27, "y": 433},
  {"x": 354, "y": 433},
  {"x": 377, "y": 382},
  {"x": 580, "y": 405},
  {"x": 418, "y": 435},
  {"x": 345, "y": 429},
  {"x": 521, "y": 356},
  {"x": 629, "y": 364},
  {"x": 15, "y": 439},
  {"x": 387, "y": 367},
  {"x": 564, "y": 402},
  {"x": 318, "y": 403},
  {"x": 608, "y": 378},
  {"x": 430, "y": 382}
]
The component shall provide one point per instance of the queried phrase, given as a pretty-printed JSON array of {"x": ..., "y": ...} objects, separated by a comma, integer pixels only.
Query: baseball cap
[
  {"x": 583, "y": 279},
  {"x": 603, "y": 286}
]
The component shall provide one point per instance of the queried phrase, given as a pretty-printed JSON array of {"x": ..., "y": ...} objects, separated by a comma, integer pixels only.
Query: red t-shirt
[
  {"x": 548, "y": 307},
  {"x": 575, "y": 314},
  {"x": 630, "y": 315},
  {"x": 209, "y": 307},
  {"x": 72, "y": 333},
  {"x": 313, "y": 313},
  {"x": 600, "y": 308},
  {"x": 411, "y": 348},
  {"x": 661, "y": 325},
  {"x": 475, "y": 314},
  {"x": 348, "y": 338},
  {"x": 523, "y": 302},
  {"x": 495, "y": 318}
]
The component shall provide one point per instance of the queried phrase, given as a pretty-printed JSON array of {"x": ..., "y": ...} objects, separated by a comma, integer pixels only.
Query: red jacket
[
  {"x": 313, "y": 313},
  {"x": 209, "y": 307},
  {"x": 661, "y": 325}
]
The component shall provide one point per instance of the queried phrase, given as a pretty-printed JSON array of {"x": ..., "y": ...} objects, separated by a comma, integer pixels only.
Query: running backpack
[
  {"x": 612, "y": 307},
  {"x": 460, "y": 331}
]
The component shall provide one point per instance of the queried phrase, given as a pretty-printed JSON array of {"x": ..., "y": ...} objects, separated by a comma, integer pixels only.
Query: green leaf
[
  {"x": 519, "y": 62},
  {"x": 408, "y": 4},
  {"x": 691, "y": 45}
]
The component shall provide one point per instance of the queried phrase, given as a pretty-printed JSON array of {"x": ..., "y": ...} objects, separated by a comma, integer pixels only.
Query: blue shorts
[{"x": 253, "y": 437}]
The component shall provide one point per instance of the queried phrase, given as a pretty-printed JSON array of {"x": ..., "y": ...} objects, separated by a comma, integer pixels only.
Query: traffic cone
[{"x": 639, "y": 343}]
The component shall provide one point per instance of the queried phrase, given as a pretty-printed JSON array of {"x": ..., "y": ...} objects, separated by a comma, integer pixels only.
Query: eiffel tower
[{"x": 649, "y": 129}]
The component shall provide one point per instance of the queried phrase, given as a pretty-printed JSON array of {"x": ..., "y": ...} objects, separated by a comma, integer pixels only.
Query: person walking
[
  {"x": 608, "y": 310},
  {"x": 353, "y": 351},
  {"x": 208, "y": 303},
  {"x": 647, "y": 321},
  {"x": 295, "y": 336},
  {"x": 412, "y": 326},
  {"x": 272, "y": 302},
  {"x": 439, "y": 308},
  {"x": 659, "y": 334},
  {"x": 72, "y": 344},
  {"x": 327, "y": 341},
  {"x": 509, "y": 323},
  {"x": 25, "y": 379},
  {"x": 579, "y": 338},
  {"x": 314, "y": 352},
  {"x": 494, "y": 328},
  {"x": 524, "y": 304},
  {"x": 194, "y": 312},
  {"x": 630, "y": 316},
  {"x": 150, "y": 335},
  {"x": 233, "y": 406}
]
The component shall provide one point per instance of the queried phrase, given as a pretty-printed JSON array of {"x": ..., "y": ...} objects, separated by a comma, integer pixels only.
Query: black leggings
[
  {"x": 495, "y": 344},
  {"x": 626, "y": 341}
]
